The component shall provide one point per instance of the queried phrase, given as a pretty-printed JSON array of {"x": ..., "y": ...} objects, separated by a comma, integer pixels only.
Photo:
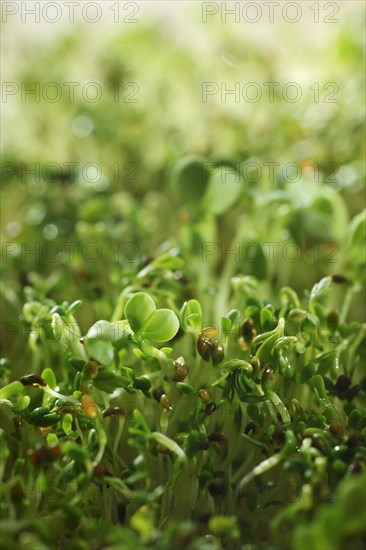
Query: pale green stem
[
  {"x": 116, "y": 458},
  {"x": 54, "y": 393},
  {"x": 263, "y": 467},
  {"x": 346, "y": 304},
  {"x": 102, "y": 445}
]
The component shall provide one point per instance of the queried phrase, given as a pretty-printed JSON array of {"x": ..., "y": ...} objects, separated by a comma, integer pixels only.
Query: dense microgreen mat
[{"x": 188, "y": 432}]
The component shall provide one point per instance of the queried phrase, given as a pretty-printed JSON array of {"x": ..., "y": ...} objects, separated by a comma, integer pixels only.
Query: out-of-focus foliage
[{"x": 133, "y": 146}]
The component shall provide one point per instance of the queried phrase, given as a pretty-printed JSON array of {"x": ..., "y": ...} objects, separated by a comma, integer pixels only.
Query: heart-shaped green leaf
[
  {"x": 101, "y": 351},
  {"x": 223, "y": 191},
  {"x": 154, "y": 325},
  {"x": 194, "y": 314},
  {"x": 162, "y": 327},
  {"x": 138, "y": 310},
  {"x": 189, "y": 179}
]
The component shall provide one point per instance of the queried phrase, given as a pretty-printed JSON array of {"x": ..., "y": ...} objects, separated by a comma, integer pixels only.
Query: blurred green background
[{"x": 150, "y": 114}]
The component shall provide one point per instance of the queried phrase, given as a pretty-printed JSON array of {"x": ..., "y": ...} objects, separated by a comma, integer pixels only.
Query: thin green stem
[
  {"x": 346, "y": 304},
  {"x": 102, "y": 445},
  {"x": 116, "y": 458},
  {"x": 263, "y": 467}
]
